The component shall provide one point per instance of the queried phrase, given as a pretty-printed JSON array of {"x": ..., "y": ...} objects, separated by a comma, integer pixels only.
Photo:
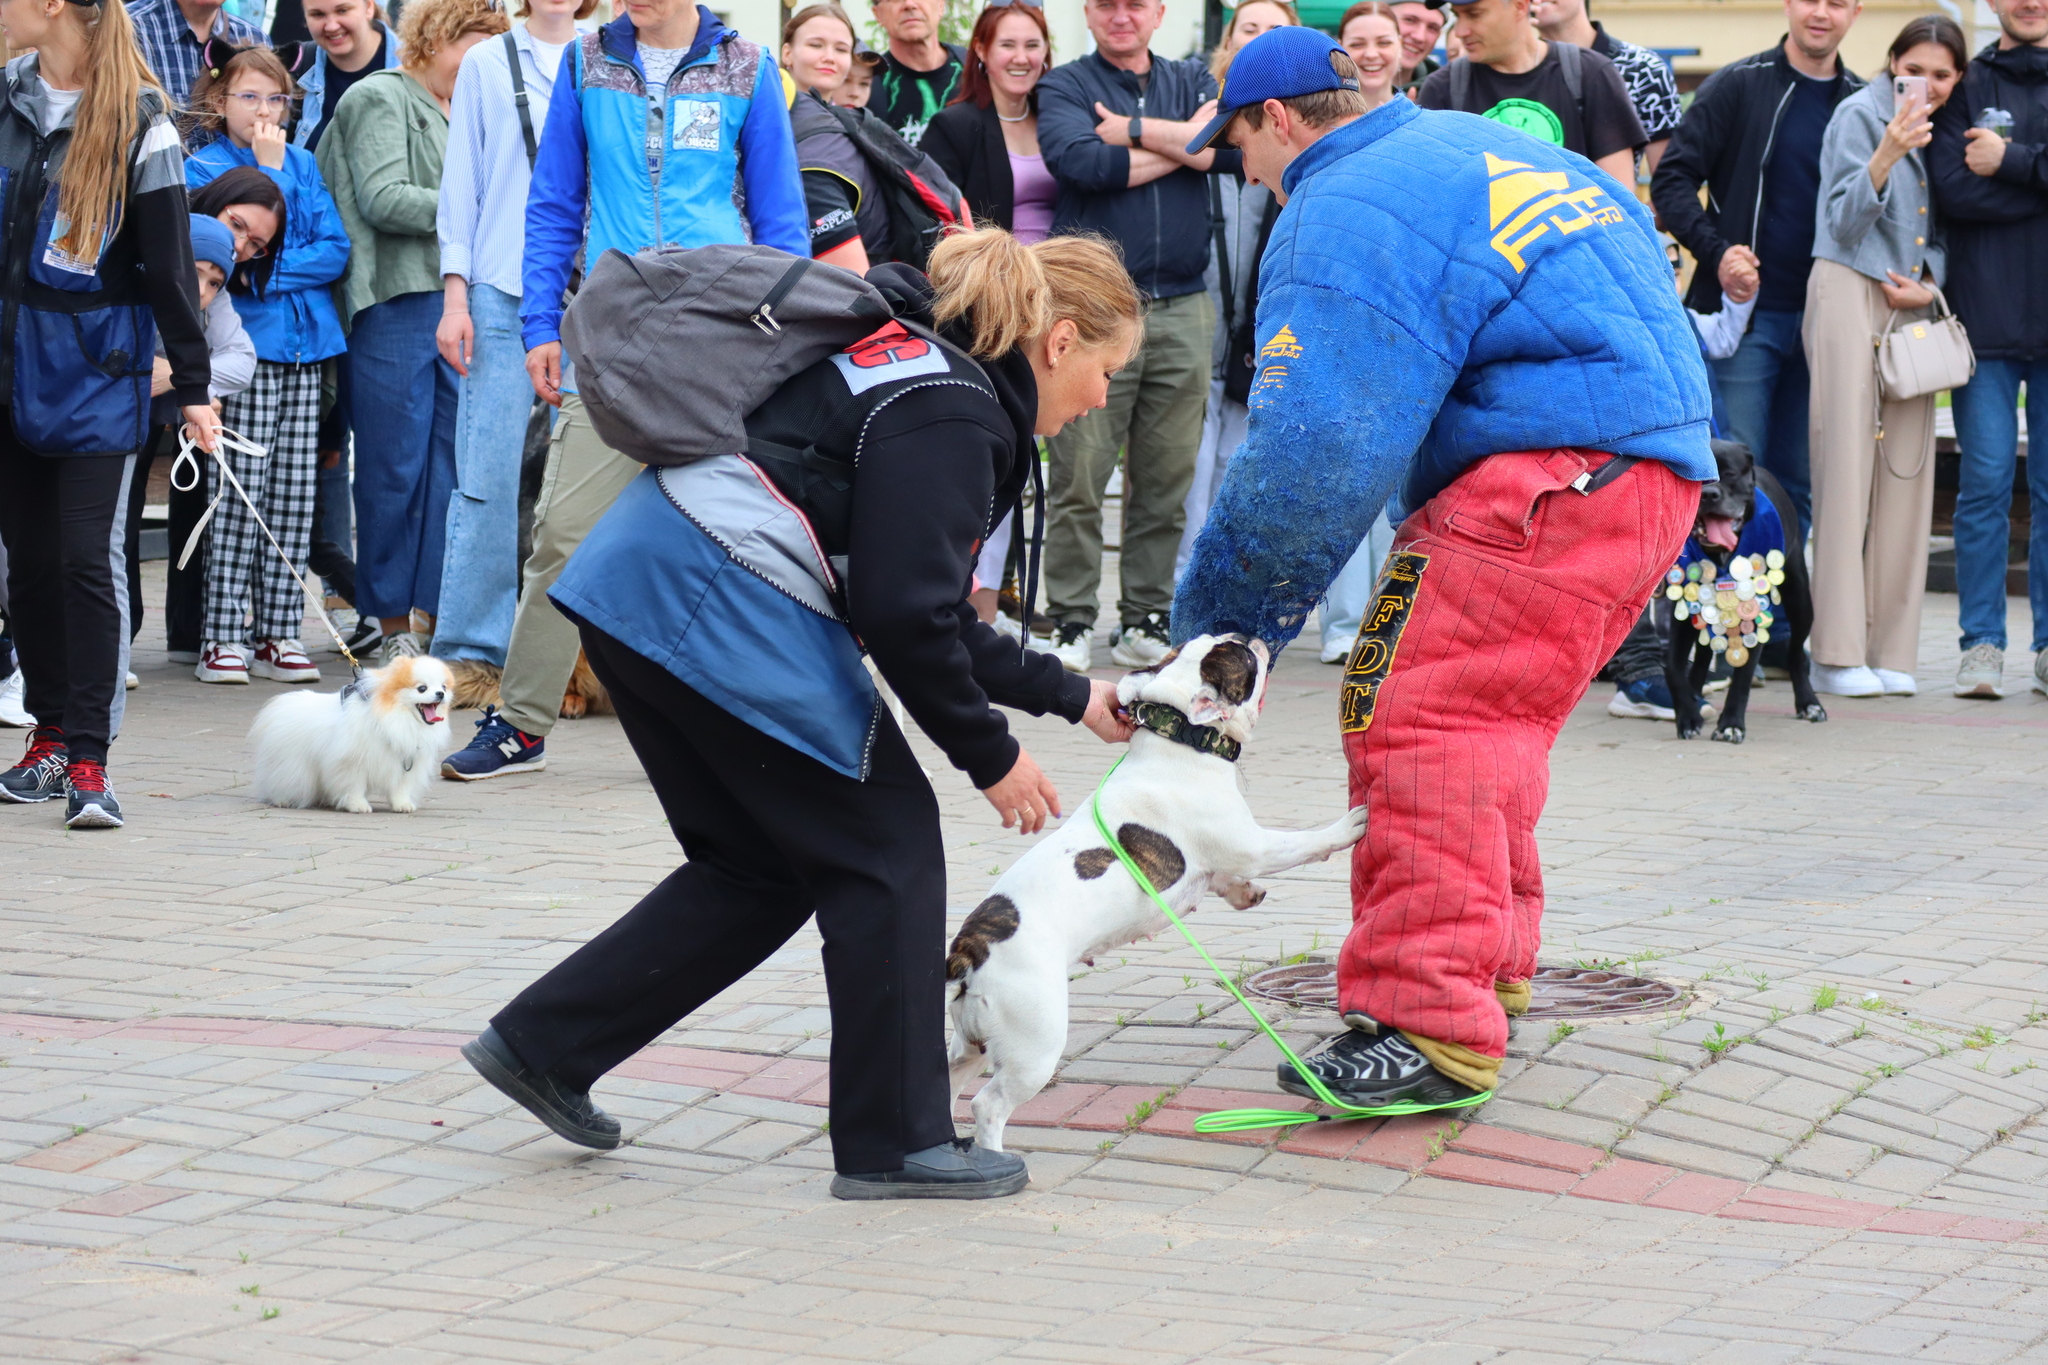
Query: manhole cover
[{"x": 1561, "y": 992}]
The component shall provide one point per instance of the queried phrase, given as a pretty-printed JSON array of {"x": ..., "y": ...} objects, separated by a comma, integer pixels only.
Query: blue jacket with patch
[
  {"x": 721, "y": 167},
  {"x": 1439, "y": 288}
]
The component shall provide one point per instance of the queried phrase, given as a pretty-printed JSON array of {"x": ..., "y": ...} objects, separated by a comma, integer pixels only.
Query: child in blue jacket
[{"x": 285, "y": 297}]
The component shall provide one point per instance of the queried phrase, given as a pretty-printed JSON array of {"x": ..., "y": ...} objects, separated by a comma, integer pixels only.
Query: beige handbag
[{"x": 1918, "y": 358}]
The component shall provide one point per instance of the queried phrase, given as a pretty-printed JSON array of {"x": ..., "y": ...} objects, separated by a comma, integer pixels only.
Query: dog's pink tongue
[
  {"x": 1720, "y": 532},
  {"x": 431, "y": 713}
]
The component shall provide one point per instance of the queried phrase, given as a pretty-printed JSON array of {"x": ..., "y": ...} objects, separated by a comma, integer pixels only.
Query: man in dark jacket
[
  {"x": 1114, "y": 127},
  {"x": 1752, "y": 138},
  {"x": 1991, "y": 189}
]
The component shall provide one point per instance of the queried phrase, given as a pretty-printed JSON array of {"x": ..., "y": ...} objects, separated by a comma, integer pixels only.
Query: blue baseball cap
[{"x": 1279, "y": 64}]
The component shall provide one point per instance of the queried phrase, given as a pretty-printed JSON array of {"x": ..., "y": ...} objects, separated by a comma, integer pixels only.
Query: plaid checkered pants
[{"x": 280, "y": 411}]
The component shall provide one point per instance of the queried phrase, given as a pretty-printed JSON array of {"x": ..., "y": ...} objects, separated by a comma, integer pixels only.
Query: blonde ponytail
[
  {"x": 93, "y": 194},
  {"x": 1011, "y": 293},
  {"x": 992, "y": 279}
]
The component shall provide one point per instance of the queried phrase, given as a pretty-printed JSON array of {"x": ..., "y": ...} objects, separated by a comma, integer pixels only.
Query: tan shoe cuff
[
  {"x": 1514, "y": 997},
  {"x": 1457, "y": 1061}
]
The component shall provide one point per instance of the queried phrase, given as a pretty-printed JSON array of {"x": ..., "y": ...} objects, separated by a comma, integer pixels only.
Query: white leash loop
[{"x": 188, "y": 463}]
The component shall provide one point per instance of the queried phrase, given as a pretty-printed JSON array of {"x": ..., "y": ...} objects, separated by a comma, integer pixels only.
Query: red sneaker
[
  {"x": 283, "y": 661},
  {"x": 219, "y": 663}
]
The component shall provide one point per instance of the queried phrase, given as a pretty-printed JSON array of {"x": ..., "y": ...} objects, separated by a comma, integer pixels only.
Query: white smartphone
[{"x": 1910, "y": 90}]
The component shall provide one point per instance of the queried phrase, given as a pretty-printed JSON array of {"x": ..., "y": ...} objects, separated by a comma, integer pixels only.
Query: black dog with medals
[{"x": 1727, "y": 505}]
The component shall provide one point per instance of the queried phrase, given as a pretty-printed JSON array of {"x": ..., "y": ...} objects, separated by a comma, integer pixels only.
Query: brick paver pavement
[{"x": 233, "y": 1127}]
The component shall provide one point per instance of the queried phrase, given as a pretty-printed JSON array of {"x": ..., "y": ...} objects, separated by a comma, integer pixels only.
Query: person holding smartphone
[{"x": 1877, "y": 249}]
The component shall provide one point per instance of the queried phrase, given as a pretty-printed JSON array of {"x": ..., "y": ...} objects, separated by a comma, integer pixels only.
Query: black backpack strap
[
  {"x": 1036, "y": 550},
  {"x": 763, "y": 315},
  {"x": 1222, "y": 254},
  {"x": 1461, "y": 82},
  {"x": 1266, "y": 221},
  {"x": 519, "y": 98},
  {"x": 1571, "y": 66}
]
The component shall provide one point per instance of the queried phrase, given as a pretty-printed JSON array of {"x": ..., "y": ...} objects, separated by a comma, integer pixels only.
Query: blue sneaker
[
  {"x": 500, "y": 747},
  {"x": 1643, "y": 699}
]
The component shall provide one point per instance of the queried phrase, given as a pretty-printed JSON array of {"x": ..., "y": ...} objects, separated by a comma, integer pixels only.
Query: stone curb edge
[{"x": 1419, "y": 1144}]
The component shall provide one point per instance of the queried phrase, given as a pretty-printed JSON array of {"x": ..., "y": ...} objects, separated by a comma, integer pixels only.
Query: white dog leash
[{"x": 188, "y": 460}]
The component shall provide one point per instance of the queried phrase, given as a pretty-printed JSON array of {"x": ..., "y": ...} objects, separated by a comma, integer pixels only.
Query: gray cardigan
[{"x": 1873, "y": 231}]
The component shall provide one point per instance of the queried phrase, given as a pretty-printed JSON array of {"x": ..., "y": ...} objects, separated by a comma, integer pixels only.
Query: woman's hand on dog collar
[{"x": 1105, "y": 715}]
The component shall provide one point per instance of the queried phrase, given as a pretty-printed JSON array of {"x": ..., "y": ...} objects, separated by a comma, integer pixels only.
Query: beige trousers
[
  {"x": 1872, "y": 502},
  {"x": 584, "y": 477}
]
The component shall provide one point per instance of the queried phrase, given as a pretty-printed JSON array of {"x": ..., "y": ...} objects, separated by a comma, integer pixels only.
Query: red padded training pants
[{"x": 1503, "y": 597}]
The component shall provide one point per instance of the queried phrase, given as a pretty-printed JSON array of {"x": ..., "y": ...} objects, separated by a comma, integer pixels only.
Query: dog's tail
[{"x": 475, "y": 682}]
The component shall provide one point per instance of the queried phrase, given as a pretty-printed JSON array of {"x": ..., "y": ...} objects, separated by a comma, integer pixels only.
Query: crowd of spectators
[{"x": 385, "y": 219}]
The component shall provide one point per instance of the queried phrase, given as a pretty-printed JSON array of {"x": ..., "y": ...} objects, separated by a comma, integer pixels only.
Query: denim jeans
[
  {"x": 402, "y": 406},
  {"x": 1764, "y": 387},
  {"x": 480, "y": 579},
  {"x": 1988, "y": 434}
]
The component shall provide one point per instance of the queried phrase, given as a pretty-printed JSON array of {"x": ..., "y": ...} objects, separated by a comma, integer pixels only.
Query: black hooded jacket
[
  {"x": 938, "y": 469},
  {"x": 1997, "y": 225},
  {"x": 1725, "y": 144}
]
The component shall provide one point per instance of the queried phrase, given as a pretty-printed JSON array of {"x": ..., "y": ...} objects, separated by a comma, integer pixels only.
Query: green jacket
[{"x": 381, "y": 157}]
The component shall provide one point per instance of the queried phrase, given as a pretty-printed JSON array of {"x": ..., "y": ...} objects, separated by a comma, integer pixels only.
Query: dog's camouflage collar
[{"x": 1163, "y": 720}]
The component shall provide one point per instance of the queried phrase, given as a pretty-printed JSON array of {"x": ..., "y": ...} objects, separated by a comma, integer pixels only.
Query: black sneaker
[
  {"x": 569, "y": 1112},
  {"x": 951, "y": 1170},
  {"x": 88, "y": 797},
  {"x": 366, "y": 633},
  {"x": 500, "y": 747},
  {"x": 1370, "y": 1071},
  {"x": 40, "y": 774}
]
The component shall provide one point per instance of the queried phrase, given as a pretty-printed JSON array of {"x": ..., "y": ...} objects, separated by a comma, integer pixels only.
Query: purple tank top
[{"x": 1037, "y": 193}]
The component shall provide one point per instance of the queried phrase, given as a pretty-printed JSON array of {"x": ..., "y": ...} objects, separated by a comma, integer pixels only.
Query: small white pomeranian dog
[{"x": 382, "y": 735}]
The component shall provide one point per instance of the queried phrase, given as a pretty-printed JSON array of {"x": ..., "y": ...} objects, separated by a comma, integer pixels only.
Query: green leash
[{"x": 1244, "y": 1120}]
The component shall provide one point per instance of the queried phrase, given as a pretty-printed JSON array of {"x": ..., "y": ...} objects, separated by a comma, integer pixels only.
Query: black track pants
[
  {"x": 65, "y": 519},
  {"x": 772, "y": 837},
  {"x": 185, "y": 589},
  {"x": 160, "y": 440}
]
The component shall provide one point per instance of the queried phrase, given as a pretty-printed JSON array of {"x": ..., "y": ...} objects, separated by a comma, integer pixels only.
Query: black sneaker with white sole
[
  {"x": 1370, "y": 1070},
  {"x": 40, "y": 774},
  {"x": 952, "y": 1170},
  {"x": 89, "y": 798},
  {"x": 569, "y": 1112}
]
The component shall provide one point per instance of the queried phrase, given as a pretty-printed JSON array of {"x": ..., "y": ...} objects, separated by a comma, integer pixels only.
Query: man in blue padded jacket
[{"x": 1477, "y": 331}]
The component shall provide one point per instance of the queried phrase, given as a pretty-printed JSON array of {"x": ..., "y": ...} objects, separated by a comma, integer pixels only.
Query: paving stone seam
[{"x": 1418, "y": 1145}]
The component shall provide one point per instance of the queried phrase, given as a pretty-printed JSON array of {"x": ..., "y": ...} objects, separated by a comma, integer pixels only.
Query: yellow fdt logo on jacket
[{"x": 1520, "y": 200}]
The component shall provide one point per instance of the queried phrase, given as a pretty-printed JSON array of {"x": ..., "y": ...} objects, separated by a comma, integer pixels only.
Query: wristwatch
[{"x": 1137, "y": 131}]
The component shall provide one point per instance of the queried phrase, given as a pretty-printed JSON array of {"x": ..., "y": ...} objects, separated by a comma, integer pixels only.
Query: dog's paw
[
  {"x": 1241, "y": 894},
  {"x": 401, "y": 806},
  {"x": 1730, "y": 734},
  {"x": 1815, "y": 713},
  {"x": 1690, "y": 731},
  {"x": 354, "y": 806},
  {"x": 1351, "y": 828}
]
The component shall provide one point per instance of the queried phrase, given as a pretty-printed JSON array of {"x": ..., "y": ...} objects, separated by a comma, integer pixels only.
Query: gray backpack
[{"x": 673, "y": 348}]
